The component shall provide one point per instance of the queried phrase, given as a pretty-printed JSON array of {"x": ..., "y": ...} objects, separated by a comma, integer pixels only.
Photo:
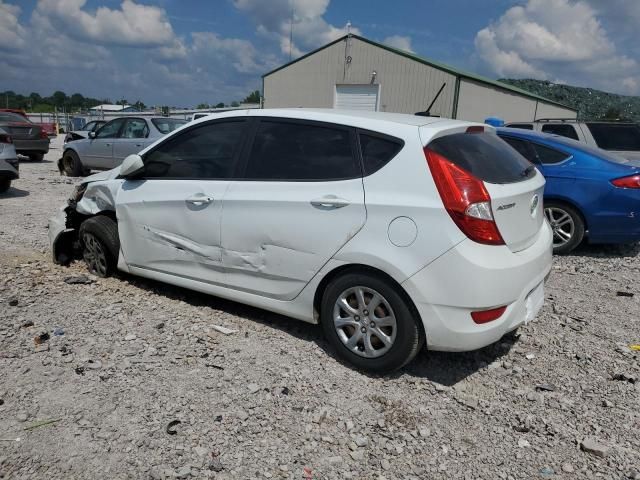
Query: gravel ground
[{"x": 128, "y": 356}]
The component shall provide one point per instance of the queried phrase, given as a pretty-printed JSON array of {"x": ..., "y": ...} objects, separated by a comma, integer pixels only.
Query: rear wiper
[{"x": 527, "y": 171}]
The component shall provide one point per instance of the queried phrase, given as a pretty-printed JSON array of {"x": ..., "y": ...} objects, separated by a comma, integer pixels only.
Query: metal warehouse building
[{"x": 357, "y": 73}]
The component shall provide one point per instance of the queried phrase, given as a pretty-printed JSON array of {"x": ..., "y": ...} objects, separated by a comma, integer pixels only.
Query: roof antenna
[{"x": 427, "y": 112}]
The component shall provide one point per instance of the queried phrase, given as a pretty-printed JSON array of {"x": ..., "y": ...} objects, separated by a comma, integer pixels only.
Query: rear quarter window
[
  {"x": 485, "y": 156},
  {"x": 562, "y": 129},
  {"x": 522, "y": 126},
  {"x": 611, "y": 136},
  {"x": 378, "y": 150}
]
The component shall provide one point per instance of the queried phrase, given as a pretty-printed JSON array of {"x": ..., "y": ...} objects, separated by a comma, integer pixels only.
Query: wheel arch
[
  {"x": 572, "y": 204},
  {"x": 362, "y": 268}
]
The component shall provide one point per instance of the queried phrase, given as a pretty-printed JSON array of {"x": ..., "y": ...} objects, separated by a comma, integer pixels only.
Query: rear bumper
[
  {"x": 472, "y": 277},
  {"x": 38, "y": 145}
]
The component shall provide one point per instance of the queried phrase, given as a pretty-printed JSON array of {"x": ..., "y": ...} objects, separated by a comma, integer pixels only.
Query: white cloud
[
  {"x": 556, "y": 39},
  {"x": 132, "y": 25},
  {"x": 400, "y": 42},
  {"x": 12, "y": 34},
  {"x": 310, "y": 29}
]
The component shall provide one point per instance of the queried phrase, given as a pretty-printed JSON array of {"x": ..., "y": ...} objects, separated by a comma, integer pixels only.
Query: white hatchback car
[{"x": 390, "y": 230}]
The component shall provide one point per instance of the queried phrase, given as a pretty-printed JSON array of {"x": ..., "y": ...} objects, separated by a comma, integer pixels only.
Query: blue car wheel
[{"x": 567, "y": 226}]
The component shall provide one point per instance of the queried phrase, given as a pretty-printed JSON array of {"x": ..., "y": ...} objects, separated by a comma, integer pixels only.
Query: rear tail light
[
  {"x": 475, "y": 129},
  {"x": 627, "y": 182},
  {"x": 486, "y": 316},
  {"x": 465, "y": 199},
  {"x": 43, "y": 134},
  {"x": 5, "y": 138}
]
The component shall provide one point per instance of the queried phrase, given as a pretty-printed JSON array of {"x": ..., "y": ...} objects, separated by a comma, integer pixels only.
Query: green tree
[
  {"x": 59, "y": 98},
  {"x": 140, "y": 106},
  {"x": 253, "y": 97},
  {"x": 235, "y": 104},
  {"x": 202, "y": 106},
  {"x": 220, "y": 105}
]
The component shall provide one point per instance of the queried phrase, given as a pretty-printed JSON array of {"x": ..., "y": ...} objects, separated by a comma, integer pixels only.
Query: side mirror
[
  {"x": 131, "y": 166},
  {"x": 92, "y": 134}
]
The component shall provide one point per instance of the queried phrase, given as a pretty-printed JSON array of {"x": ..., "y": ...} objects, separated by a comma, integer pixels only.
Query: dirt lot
[{"x": 127, "y": 356}]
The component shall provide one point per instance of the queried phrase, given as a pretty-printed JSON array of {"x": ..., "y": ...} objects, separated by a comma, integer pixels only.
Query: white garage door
[{"x": 357, "y": 97}]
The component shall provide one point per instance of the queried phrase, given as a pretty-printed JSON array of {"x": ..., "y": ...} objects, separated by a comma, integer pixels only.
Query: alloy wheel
[
  {"x": 365, "y": 322},
  {"x": 94, "y": 255},
  {"x": 562, "y": 225}
]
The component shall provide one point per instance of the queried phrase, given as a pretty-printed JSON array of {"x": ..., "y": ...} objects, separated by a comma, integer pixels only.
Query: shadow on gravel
[
  {"x": 14, "y": 192},
  {"x": 607, "y": 251}
]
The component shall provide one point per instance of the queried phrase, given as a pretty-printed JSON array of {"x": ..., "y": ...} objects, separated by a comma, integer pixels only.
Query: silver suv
[{"x": 617, "y": 137}]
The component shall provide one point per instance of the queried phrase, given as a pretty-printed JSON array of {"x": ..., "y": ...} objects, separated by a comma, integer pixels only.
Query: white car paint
[{"x": 266, "y": 245}]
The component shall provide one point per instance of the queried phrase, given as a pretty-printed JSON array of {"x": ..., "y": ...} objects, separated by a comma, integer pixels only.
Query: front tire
[
  {"x": 100, "y": 245},
  {"x": 71, "y": 164},
  {"x": 567, "y": 226},
  {"x": 5, "y": 184},
  {"x": 370, "y": 323}
]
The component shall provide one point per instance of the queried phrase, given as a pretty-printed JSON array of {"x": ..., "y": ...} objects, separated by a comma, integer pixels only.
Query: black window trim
[
  {"x": 531, "y": 142},
  {"x": 236, "y": 159},
  {"x": 253, "y": 129},
  {"x": 382, "y": 136}
]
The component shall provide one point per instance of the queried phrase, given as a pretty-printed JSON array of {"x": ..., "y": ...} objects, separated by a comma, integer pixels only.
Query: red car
[{"x": 29, "y": 139}]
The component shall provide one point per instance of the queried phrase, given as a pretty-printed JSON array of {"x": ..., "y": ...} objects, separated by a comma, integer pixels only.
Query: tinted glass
[
  {"x": 522, "y": 147},
  {"x": 12, "y": 117},
  {"x": 135, "y": 128},
  {"x": 111, "y": 129},
  {"x": 625, "y": 137},
  {"x": 548, "y": 155},
  {"x": 166, "y": 125},
  {"x": 485, "y": 156},
  {"x": 291, "y": 151},
  {"x": 563, "y": 130},
  {"x": 523, "y": 126},
  {"x": 205, "y": 152},
  {"x": 377, "y": 152}
]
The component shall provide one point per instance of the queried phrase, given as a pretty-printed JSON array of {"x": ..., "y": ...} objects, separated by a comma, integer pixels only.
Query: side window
[
  {"x": 208, "y": 151},
  {"x": 135, "y": 128},
  {"x": 111, "y": 129},
  {"x": 562, "y": 129},
  {"x": 522, "y": 126},
  {"x": 296, "y": 151},
  {"x": 523, "y": 148},
  {"x": 548, "y": 155},
  {"x": 377, "y": 151}
]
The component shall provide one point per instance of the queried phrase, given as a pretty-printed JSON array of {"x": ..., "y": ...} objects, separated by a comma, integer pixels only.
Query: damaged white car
[{"x": 390, "y": 230}]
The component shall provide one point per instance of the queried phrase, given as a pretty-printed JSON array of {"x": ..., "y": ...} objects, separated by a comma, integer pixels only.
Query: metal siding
[
  {"x": 478, "y": 101},
  {"x": 546, "y": 110},
  {"x": 406, "y": 86}
]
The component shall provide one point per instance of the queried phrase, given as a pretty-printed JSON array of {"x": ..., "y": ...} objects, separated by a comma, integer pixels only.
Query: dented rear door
[{"x": 300, "y": 201}]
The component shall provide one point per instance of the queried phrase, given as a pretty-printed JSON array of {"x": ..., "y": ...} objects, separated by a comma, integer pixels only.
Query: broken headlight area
[
  {"x": 77, "y": 194},
  {"x": 66, "y": 245}
]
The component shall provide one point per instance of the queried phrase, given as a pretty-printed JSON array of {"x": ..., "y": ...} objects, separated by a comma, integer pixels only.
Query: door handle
[
  {"x": 330, "y": 202},
  {"x": 199, "y": 200}
]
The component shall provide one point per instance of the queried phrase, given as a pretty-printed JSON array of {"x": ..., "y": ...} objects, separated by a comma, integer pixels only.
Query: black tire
[
  {"x": 36, "y": 157},
  {"x": 575, "y": 226},
  {"x": 100, "y": 245},
  {"x": 71, "y": 164},
  {"x": 5, "y": 184},
  {"x": 409, "y": 336}
]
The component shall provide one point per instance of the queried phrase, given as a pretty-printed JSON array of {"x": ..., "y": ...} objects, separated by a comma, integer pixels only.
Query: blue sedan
[{"x": 589, "y": 192}]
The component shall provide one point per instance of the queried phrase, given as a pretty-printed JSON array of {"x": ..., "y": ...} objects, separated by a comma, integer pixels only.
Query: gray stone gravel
[{"x": 271, "y": 401}]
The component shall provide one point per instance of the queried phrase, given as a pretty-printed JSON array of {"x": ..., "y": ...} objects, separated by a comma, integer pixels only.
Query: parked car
[
  {"x": 621, "y": 138},
  {"x": 9, "y": 166},
  {"x": 391, "y": 230},
  {"x": 112, "y": 142},
  {"x": 48, "y": 127},
  {"x": 28, "y": 138},
  {"x": 92, "y": 126},
  {"x": 590, "y": 193}
]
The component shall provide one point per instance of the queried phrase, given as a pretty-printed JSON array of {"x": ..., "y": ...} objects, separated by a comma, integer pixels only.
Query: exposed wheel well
[
  {"x": 568, "y": 203},
  {"x": 342, "y": 270}
]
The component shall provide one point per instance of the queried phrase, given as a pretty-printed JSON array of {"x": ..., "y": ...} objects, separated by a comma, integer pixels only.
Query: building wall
[
  {"x": 546, "y": 110},
  {"x": 477, "y": 101},
  {"x": 406, "y": 86}
]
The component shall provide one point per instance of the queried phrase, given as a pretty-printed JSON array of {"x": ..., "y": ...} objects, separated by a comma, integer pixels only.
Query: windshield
[
  {"x": 166, "y": 125},
  {"x": 13, "y": 117}
]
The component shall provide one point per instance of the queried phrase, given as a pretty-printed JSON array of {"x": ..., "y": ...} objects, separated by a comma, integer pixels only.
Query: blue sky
[{"x": 183, "y": 52}]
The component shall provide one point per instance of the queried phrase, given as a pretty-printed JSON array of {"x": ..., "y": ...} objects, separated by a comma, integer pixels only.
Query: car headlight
[{"x": 78, "y": 192}]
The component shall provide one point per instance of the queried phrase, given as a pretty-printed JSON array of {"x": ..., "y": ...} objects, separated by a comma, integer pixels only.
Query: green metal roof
[{"x": 441, "y": 66}]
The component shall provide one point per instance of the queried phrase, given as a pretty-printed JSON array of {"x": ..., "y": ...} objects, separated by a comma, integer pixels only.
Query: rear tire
[
  {"x": 71, "y": 164},
  {"x": 36, "y": 157},
  {"x": 370, "y": 323},
  {"x": 100, "y": 245},
  {"x": 567, "y": 225},
  {"x": 5, "y": 184}
]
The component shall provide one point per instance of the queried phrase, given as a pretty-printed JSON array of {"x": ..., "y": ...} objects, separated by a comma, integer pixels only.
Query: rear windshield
[
  {"x": 523, "y": 126},
  {"x": 13, "y": 117},
  {"x": 166, "y": 125},
  {"x": 610, "y": 136},
  {"x": 485, "y": 156}
]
